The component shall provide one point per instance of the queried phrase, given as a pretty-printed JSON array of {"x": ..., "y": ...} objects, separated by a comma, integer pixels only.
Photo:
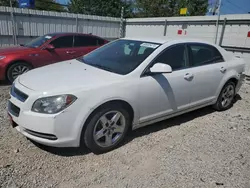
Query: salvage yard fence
[
  {"x": 233, "y": 30},
  {"x": 18, "y": 26},
  {"x": 28, "y": 24}
]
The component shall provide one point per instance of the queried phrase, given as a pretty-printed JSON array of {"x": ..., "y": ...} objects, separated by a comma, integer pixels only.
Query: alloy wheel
[
  {"x": 109, "y": 128},
  {"x": 227, "y": 96},
  {"x": 18, "y": 70}
]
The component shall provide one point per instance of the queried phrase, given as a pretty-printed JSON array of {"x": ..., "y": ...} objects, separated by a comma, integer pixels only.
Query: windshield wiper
[{"x": 103, "y": 67}]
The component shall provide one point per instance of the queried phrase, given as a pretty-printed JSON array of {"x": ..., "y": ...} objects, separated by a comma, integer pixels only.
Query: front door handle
[
  {"x": 70, "y": 52},
  {"x": 188, "y": 76},
  {"x": 223, "y": 69}
]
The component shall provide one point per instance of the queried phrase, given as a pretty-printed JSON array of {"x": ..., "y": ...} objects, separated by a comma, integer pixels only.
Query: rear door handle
[
  {"x": 70, "y": 52},
  {"x": 188, "y": 76},
  {"x": 223, "y": 69}
]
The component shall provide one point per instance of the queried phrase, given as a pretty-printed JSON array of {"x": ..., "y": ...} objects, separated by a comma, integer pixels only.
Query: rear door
[
  {"x": 85, "y": 44},
  {"x": 208, "y": 68},
  {"x": 63, "y": 47}
]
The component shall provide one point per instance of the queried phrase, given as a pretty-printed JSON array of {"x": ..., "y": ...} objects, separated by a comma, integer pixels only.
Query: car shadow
[
  {"x": 65, "y": 152},
  {"x": 175, "y": 121},
  {"x": 4, "y": 83}
]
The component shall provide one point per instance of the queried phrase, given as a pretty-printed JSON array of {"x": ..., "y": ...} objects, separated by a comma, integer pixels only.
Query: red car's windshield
[{"x": 35, "y": 43}]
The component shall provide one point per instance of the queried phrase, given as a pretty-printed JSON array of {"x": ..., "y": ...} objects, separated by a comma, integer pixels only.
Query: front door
[
  {"x": 164, "y": 94},
  {"x": 208, "y": 69},
  {"x": 63, "y": 48}
]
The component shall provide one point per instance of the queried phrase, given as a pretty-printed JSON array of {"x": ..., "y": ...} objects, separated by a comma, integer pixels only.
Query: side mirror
[
  {"x": 160, "y": 68},
  {"x": 50, "y": 47}
]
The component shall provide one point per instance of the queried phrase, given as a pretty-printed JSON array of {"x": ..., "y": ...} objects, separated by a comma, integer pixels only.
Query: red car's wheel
[{"x": 16, "y": 70}]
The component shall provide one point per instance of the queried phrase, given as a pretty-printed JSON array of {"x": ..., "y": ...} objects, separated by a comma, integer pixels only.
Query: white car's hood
[{"x": 67, "y": 75}]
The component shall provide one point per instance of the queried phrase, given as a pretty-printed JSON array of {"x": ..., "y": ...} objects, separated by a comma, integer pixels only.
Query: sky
[
  {"x": 228, "y": 6},
  {"x": 234, "y": 6}
]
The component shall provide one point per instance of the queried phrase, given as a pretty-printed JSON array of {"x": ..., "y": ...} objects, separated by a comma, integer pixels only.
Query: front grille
[
  {"x": 18, "y": 94},
  {"x": 13, "y": 109},
  {"x": 41, "y": 135}
]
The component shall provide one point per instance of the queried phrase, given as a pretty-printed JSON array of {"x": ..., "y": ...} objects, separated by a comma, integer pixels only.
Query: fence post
[
  {"x": 223, "y": 31},
  {"x": 165, "y": 28},
  {"x": 121, "y": 23},
  {"x": 13, "y": 23},
  {"x": 77, "y": 23}
]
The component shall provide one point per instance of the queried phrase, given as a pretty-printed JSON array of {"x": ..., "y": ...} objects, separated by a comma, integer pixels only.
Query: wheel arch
[
  {"x": 232, "y": 77},
  {"x": 15, "y": 62},
  {"x": 122, "y": 102}
]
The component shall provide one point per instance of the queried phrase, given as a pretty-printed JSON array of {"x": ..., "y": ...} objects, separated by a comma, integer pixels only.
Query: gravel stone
[{"x": 203, "y": 148}]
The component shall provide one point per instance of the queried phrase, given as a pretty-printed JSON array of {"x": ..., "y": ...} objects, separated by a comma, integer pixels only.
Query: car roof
[
  {"x": 163, "y": 40},
  {"x": 68, "y": 33}
]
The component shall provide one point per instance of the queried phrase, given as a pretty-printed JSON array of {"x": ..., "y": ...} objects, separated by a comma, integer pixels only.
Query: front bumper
[
  {"x": 2, "y": 72},
  {"x": 58, "y": 130}
]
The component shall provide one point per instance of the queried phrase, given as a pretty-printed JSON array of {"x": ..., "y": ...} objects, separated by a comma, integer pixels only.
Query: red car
[{"x": 45, "y": 50}]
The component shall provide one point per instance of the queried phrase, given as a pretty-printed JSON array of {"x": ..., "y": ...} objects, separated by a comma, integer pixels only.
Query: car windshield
[
  {"x": 35, "y": 43},
  {"x": 121, "y": 56}
]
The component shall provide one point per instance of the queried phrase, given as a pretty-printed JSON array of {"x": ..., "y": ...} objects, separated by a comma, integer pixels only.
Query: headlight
[
  {"x": 53, "y": 105},
  {"x": 2, "y": 57}
]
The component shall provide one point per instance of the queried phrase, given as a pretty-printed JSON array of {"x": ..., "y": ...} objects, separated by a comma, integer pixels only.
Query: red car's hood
[{"x": 14, "y": 49}]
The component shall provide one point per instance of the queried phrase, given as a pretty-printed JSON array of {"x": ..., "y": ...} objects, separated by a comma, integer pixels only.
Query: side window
[
  {"x": 202, "y": 54},
  {"x": 82, "y": 41},
  {"x": 63, "y": 42},
  {"x": 100, "y": 41},
  {"x": 174, "y": 56}
]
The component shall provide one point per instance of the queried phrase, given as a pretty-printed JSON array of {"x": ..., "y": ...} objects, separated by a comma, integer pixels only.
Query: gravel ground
[{"x": 199, "y": 149}]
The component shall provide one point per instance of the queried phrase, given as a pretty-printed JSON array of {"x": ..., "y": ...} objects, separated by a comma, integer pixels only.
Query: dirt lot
[{"x": 200, "y": 149}]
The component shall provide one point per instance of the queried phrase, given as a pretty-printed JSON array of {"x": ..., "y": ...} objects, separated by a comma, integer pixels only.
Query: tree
[
  {"x": 167, "y": 8},
  {"x": 49, "y": 5},
  {"x": 100, "y": 7},
  {"x": 7, "y": 3},
  {"x": 197, "y": 7}
]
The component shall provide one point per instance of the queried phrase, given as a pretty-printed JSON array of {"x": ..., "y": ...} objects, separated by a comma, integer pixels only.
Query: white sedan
[{"x": 126, "y": 84}]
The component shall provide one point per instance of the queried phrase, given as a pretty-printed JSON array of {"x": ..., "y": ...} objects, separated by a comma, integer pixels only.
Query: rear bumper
[{"x": 240, "y": 82}]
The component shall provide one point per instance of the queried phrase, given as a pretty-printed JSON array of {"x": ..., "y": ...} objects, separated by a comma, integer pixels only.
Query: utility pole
[
  {"x": 121, "y": 23},
  {"x": 217, "y": 22}
]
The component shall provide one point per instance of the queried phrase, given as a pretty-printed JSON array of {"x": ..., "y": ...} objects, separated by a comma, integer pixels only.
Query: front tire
[
  {"x": 225, "y": 99},
  {"x": 107, "y": 128},
  {"x": 16, "y": 70}
]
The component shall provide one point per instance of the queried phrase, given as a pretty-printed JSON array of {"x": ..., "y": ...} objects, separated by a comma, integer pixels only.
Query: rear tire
[
  {"x": 16, "y": 70},
  {"x": 226, "y": 97},
  {"x": 107, "y": 128}
]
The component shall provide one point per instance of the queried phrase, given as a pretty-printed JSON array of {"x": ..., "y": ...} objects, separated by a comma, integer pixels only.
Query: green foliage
[
  {"x": 100, "y": 7},
  {"x": 49, "y": 5},
  {"x": 167, "y": 8},
  {"x": 7, "y": 3}
]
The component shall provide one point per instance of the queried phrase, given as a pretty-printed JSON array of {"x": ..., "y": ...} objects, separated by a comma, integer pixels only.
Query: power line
[
  {"x": 228, "y": 8},
  {"x": 237, "y": 6}
]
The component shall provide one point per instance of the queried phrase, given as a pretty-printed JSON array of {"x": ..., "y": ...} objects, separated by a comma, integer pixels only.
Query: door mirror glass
[
  {"x": 161, "y": 68},
  {"x": 50, "y": 47}
]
